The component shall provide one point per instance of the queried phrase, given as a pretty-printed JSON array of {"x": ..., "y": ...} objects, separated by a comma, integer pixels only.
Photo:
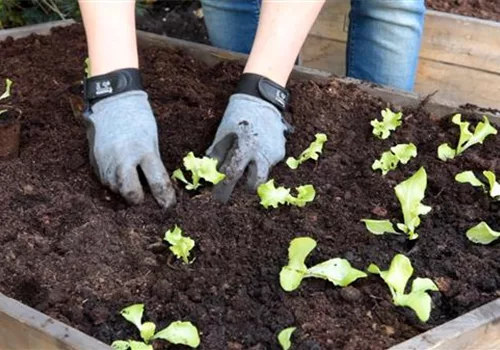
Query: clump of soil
[
  {"x": 75, "y": 251},
  {"x": 485, "y": 9}
]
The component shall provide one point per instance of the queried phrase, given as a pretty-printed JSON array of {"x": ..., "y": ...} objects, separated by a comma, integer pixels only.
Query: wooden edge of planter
[
  {"x": 23, "y": 328},
  {"x": 478, "y": 329}
]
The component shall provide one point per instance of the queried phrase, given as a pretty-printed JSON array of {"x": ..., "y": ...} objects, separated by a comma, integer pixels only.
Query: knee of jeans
[{"x": 404, "y": 12}]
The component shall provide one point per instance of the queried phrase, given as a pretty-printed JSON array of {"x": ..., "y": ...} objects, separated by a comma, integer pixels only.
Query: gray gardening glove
[
  {"x": 122, "y": 136},
  {"x": 251, "y": 133}
]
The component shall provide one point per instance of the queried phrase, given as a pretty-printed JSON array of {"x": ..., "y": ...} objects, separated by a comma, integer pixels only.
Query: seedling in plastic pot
[
  {"x": 467, "y": 138},
  {"x": 410, "y": 193},
  {"x": 390, "y": 159},
  {"x": 270, "y": 196},
  {"x": 482, "y": 234},
  {"x": 179, "y": 245},
  {"x": 201, "y": 168},
  {"x": 6, "y": 94},
  {"x": 470, "y": 178},
  {"x": 177, "y": 332},
  {"x": 338, "y": 271},
  {"x": 390, "y": 122},
  {"x": 397, "y": 277},
  {"x": 284, "y": 337},
  {"x": 312, "y": 152}
]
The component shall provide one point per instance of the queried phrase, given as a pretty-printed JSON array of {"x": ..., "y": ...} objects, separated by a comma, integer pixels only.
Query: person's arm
[
  {"x": 251, "y": 133},
  {"x": 121, "y": 127},
  {"x": 283, "y": 28}
]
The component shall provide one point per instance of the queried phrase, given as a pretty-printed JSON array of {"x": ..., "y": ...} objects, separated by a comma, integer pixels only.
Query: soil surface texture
[
  {"x": 77, "y": 252},
  {"x": 485, "y": 9}
]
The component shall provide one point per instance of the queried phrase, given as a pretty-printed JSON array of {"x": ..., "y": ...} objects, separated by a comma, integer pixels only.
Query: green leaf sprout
[
  {"x": 200, "y": 168},
  {"x": 270, "y": 196},
  {"x": 312, "y": 152},
  {"x": 338, "y": 271},
  {"x": 284, "y": 337},
  {"x": 177, "y": 332},
  {"x": 467, "y": 138},
  {"x": 482, "y": 234},
  {"x": 179, "y": 245},
  {"x": 87, "y": 67},
  {"x": 397, "y": 277},
  {"x": 390, "y": 122},
  {"x": 390, "y": 159},
  {"x": 6, "y": 94},
  {"x": 470, "y": 178},
  {"x": 410, "y": 193}
]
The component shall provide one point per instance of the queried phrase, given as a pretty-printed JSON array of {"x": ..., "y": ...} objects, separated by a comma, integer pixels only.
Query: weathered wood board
[
  {"x": 460, "y": 56},
  {"x": 23, "y": 328}
]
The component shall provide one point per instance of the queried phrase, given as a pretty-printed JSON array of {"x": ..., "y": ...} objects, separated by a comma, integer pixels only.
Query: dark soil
[
  {"x": 485, "y": 9},
  {"x": 76, "y": 252}
]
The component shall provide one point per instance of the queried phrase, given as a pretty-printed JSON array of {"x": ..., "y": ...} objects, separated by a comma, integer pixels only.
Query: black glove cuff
[
  {"x": 110, "y": 84},
  {"x": 266, "y": 89}
]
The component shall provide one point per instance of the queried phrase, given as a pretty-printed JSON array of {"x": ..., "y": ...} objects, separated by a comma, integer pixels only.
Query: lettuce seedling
[
  {"x": 470, "y": 178},
  {"x": 180, "y": 245},
  {"x": 467, "y": 138},
  {"x": 397, "y": 277},
  {"x": 200, "y": 168},
  {"x": 312, "y": 152},
  {"x": 176, "y": 333},
  {"x": 284, "y": 337},
  {"x": 270, "y": 196},
  {"x": 410, "y": 193},
  {"x": 482, "y": 234},
  {"x": 6, "y": 94},
  {"x": 390, "y": 159},
  {"x": 338, "y": 271},
  {"x": 87, "y": 67},
  {"x": 390, "y": 122}
]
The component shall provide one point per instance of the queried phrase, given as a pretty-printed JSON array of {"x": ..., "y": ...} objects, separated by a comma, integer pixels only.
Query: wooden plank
[
  {"x": 478, "y": 329},
  {"x": 41, "y": 29},
  {"x": 23, "y": 328}
]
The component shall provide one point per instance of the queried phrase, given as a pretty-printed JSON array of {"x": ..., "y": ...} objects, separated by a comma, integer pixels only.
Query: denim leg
[
  {"x": 384, "y": 41},
  {"x": 232, "y": 24}
]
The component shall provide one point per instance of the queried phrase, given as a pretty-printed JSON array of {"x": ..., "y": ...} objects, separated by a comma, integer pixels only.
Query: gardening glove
[
  {"x": 123, "y": 136},
  {"x": 251, "y": 133}
]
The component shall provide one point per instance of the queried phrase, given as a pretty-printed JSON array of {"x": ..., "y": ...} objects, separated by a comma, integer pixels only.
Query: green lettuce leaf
[
  {"x": 270, "y": 196},
  {"x": 284, "y": 337},
  {"x": 482, "y": 234},
  {"x": 468, "y": 177},
  {"x": 482, "y": 131},
  {"x": 179, "y": 332},
  {"x": 410, "y": 193},
  {"x": 312, "y": 152},
  {"x": 445, "y": 152},
  {"x": 133, "y": 314},
  {"x": 379, "y": 227},
  {"x": 87, "y": 67},
  {"x": 6, "y": 94},
  {"x": 120, "y": 345},
  {"x": 494, "y": 186},
  {"x": 338, "y": 271},
  {"x": 147, "y": 331},
  {"x": 390, "y": 159},
  {"x": 180, "y": 245},
  {"x": 201, "y": 168},
  {"x": 292, "y": 274},
  {"x": 390, "y": 121},
  {"x": 305, "y": 195}
]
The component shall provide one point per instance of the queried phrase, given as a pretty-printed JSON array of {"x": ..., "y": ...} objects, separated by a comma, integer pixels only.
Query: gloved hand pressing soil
[
  {"x": 123, "y": 136},
  {"x": 251, "y": 134}
]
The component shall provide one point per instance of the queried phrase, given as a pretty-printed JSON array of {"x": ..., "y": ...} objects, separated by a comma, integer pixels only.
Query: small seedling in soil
[
  {"x": 270, "y": 196},
  {"x": 201, "y": 168},
  {"x": 338, "y": 271},
  {"x": 467, "y": 138},
  {"x": 87, "y": 67},
  {"x": 410, "y": 193},
  {"x": 397, "y": 277},
  {"x": 482, "y": 234},
  {"x": 390, "y": 122},
  {"x": 177, "y": 332},
  {"x": 390, "y": 159},
  {"x": 312, "y": 152},
  {"x": 179, "y": 245},
  {"x": 284, "y": 337},
  {"x": 6, "y": 94},
  {"x": 470, "y": 178}
]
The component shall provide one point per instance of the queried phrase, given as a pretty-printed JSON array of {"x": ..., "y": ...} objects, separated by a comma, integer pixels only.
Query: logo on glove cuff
[
  {"x": 103, "y": 87},
  {"x": 280, "y": 98}
]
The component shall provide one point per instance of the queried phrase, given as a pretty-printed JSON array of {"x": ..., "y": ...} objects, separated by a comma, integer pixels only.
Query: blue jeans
[{"x": 383, "y": 43}]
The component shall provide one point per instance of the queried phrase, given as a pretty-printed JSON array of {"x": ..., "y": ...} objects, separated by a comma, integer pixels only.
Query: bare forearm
[
  {"x": 283, "y": 28},
  {"x": 111, "y": 38}
]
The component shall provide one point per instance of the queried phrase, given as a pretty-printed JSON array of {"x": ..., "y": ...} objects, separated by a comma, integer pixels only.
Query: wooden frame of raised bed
[
  {"x": 23, "y": 328},
  {"x": 459, "y": 58}
]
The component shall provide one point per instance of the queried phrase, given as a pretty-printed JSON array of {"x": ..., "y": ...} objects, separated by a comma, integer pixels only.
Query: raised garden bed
[
  {"x": 485, "y": 9},
  {"x": 76, "y": 252}
]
